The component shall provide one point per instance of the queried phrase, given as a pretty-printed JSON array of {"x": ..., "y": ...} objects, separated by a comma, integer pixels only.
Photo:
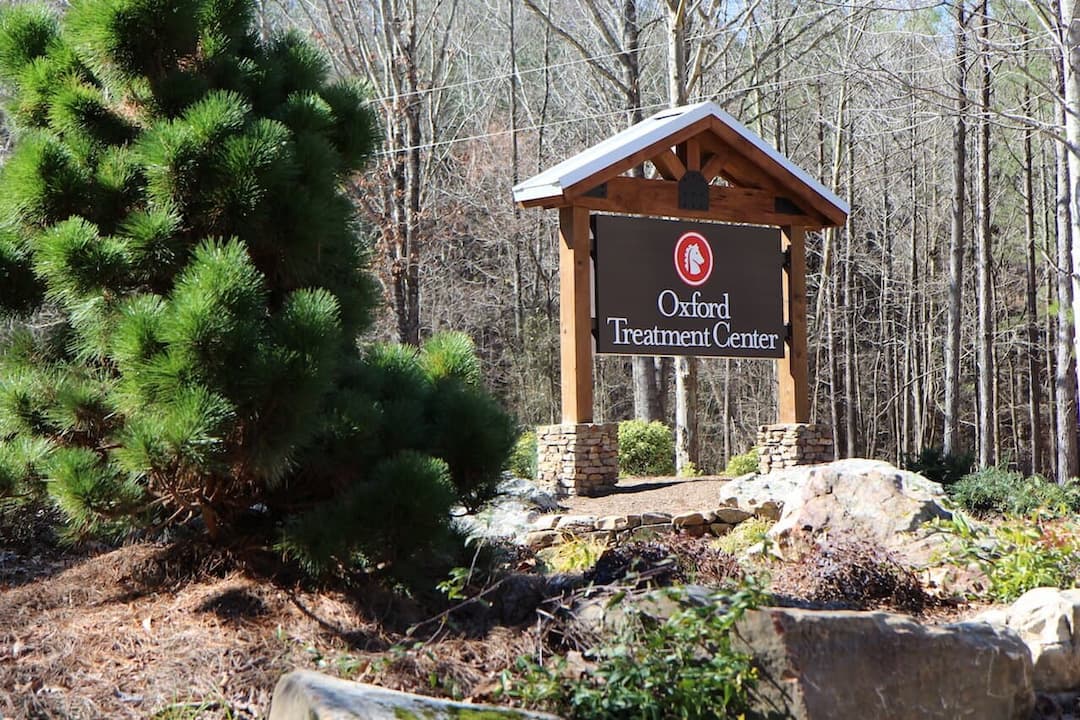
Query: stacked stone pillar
[
  {"x": 578, "y": 459},
  {"x": 785, "y": 445}
]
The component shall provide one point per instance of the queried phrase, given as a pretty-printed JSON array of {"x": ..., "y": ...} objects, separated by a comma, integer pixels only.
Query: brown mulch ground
[
  {"x": 125, "y": 634},
  {"x": 655, "y": 494},
  {"x": 94, "y": 640},
  {"x": 145, "y": 632}
]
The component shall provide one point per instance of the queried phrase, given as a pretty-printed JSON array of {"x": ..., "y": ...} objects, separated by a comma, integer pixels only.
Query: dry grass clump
[
  {"x": 669, "y": 560},
  {"x": 849, "y": 574}
]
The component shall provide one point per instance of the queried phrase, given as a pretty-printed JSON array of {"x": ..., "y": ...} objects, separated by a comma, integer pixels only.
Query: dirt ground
[
  {"x": 130, "y": 633},
  {"x": 656, "y": 494},
  {"x": 140, "y": 632},
  {"x": 112, "y": 636}
]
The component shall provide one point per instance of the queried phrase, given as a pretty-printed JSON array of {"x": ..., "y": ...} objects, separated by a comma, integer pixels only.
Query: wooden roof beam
[
  {"x": 714, "y": 165},
  {"x": 668, "y": 165},
  {"x": 690, "y": 153},
  {"x": 660, "y": 198}
]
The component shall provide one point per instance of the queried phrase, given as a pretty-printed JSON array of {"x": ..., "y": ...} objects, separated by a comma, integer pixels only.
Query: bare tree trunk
[
  {"x": 914, "y": 306},
  {"x": 851, "y": 405},
  {"x": 1034, "y": 387},
  {"x": 1065, "y": 380},
  {"x": 515, "y": 164},
  {"x": 986, "y": 371},
  {"x": 726, "y": 410},
  {"x": 686, "y": 368},
  {"x": 1070, "y": 72},
  {"x": 646, "y": 397},
  {"x": 956, "y": 242}
]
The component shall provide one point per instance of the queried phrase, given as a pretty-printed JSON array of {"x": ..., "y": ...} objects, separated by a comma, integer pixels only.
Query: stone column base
[
  {"x": 578, "y": 459},
  {"x": 788, "y": 444}
]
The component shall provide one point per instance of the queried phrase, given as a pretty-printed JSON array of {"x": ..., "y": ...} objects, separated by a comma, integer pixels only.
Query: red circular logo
[{"x": 693, "y": 258}]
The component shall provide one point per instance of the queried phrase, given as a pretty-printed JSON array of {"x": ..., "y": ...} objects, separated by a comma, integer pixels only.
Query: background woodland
[{"x": 941, "y": 315}]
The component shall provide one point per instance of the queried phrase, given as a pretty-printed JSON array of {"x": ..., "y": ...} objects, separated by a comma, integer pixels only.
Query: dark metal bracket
[{"x": 693, "y": 191}]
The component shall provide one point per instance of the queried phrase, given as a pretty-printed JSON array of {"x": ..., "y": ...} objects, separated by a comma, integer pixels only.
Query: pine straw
[
  {"x": 92, "y": 641},
  {"x": 146, "y": 631}
]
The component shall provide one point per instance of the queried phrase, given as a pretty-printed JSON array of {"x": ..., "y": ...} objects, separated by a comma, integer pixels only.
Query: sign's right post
[{"x": 794, "y": 369}]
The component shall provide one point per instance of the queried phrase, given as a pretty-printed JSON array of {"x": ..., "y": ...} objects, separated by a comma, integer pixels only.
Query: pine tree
[{"x": 191, "y": 282}]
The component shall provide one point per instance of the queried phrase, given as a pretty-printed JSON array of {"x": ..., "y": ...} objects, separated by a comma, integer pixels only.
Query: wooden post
[
  {"x": 794, "y": 370},
  {"x": 575, "y": 315}
]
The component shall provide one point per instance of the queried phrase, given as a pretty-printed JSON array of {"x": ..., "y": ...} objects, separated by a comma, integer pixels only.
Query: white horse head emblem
[{"x": 693, "y": 259}]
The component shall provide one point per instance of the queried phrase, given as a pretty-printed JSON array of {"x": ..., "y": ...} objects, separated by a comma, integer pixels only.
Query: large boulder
[
  {"x": 763, "y": 494},
  {"x": 868, "y": 500},
  {"x": 511, "y": 514},
  {"x": 1047, "y": 620},
  {"x": 847, "y": 665},
  {"x": 306, "y": 695}
]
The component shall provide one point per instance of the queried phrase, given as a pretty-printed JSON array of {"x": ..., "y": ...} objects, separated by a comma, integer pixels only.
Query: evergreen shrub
[
  {"x": 646, "y": 448},
  {"x": 523, "y": 459},
  {"x": 188, "y": 283},
  {"x": 995, "y": 490},
  {"x": 933, "y": 463}
]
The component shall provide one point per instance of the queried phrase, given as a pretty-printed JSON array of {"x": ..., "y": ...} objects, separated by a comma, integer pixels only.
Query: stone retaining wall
[
  {"x": 785, "y": 445},
  {"x": 550, "y": 530},
  {"x": 578, "y": 459}
]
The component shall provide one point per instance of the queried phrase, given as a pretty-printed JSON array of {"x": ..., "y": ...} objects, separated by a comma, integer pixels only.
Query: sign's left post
[{"x": 575, "y": 314}]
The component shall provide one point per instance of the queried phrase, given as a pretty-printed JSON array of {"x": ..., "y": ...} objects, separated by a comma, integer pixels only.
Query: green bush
[
  {"x": 403, "y": 509},
  {"x": 646, "y": 448},
  {"x": 1018, "y": 555},
  {"x": 742, "y": 464},
  {"x": 933, "y": 464},
  {"x": 425, "y": 439},
  {"x": 994, "y": 490},
  {"x": 176, "y": 201},
  {"x": 682, "y": 667},
  {"x": 522, "y": 461}
]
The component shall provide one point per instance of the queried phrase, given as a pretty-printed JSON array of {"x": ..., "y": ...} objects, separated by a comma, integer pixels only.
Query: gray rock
[
  {"x": 655, "y": 518},
  {"x": 692, "y": 519},
  {"x": 845, "y": 665},
  {"x": 528, "y": 493},
  {"x": 576, "y": 523},
  {"x": 750, "y": 492},
  {"x": 597, "y": 615},
  {"x": 769, "y": 510},
  {"x": 546, "y": 522},
  {"x": 306, "y": 695},
  {"x": 1046, "y": 619},
  {"x": 612, "y": 522},
  {"x": 731, "y": 515},
  {"x": 511, "y": 515},
  {"x": 541, "y": 539},
  {"x": 647, "y": 533},
  {"x": 864, "y": 499}
]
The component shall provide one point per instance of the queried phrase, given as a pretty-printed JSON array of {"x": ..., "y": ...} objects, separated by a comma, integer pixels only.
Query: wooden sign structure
[{"x": 689, "y": 147}]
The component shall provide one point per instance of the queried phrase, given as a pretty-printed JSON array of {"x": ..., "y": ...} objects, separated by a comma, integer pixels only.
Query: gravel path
[{"x": 658, "y": 494}]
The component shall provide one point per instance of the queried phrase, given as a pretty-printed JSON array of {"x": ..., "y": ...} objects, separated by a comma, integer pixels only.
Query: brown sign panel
[{"x": 667, "y": 287}]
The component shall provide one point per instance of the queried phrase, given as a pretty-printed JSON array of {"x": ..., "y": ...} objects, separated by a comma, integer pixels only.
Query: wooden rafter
[
  {"x": 640, "y": 196},
  {"x": 714, "y": 165},
  {"x": 668, "y": 165}
]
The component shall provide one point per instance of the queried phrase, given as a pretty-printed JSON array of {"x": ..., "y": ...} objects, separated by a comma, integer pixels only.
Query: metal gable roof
[{"x": 553, "y": 182}]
